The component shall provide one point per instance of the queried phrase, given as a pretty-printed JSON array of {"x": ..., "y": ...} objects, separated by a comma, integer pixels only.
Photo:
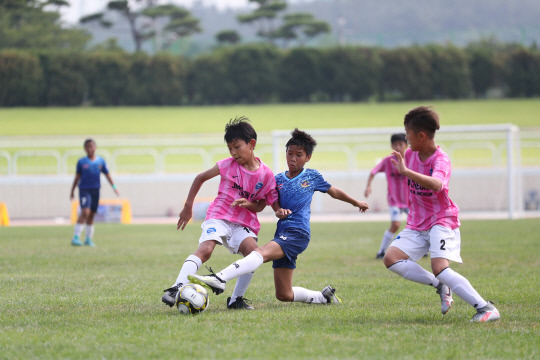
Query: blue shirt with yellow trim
[{"x": 296, "y": 194}]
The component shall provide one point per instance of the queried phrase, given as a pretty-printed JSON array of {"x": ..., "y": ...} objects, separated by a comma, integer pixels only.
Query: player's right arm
[
  {"x": 367, "y": 192},
  {"x": 280, "y": 212},
  {"x": 74, "y": 185},
  {"x": 254, "y": 206},
  {"x": 429, "y": 182},
  {"x": 187, "y": 211}
]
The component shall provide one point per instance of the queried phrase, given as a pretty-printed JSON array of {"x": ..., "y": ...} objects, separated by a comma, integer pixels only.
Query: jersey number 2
[{"x": 443, "y": 242}]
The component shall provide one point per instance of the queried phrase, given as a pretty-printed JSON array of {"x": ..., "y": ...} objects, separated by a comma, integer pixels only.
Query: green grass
[
  {"x": 190, "y": 119},
  {"x": 91, "y": 303},
  {"x": 181, "y": 122}
]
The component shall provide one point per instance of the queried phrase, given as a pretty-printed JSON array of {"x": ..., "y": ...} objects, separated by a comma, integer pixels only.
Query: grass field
[
  {"x": 57, "y": 301},
  {"x": 186, "y": 120}
]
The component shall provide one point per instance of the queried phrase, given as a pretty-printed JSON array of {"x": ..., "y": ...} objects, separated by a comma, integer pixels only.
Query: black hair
[
  {"x": 239, "y": 128},
  {"x": 422, "y": 118},
  {"x": 398, "y": 137},
  {"x": 303, "y": 139},
  {"x": 89, "y": 140}
]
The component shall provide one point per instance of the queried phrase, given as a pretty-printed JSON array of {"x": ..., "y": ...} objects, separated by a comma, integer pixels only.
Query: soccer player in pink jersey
[
  {"x": 230, "y": 221},
  {"x": 433, "y": 223},
  {"x": 397, "y": 191}
]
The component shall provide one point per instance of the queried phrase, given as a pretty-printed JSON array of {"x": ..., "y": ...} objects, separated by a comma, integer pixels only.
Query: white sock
[
  {"x": 414, "y": 272},
  {"x": 89, "y": 231},
  {"x": 241, "y": 267},
  {"x": 386, "y": 240},
  {"x": 462, "y": 287},
  {"x": 78, "y": 229},
  {"x": 308, "y": 296},
  {"x": 191, "y": 265},
  {"x": 241, "y": 286}
]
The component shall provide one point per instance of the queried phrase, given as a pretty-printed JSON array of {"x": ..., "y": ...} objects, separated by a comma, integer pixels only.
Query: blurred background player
[
  {"x": 227, "y": 223},
  {"x": 397, "y": 191},
  {"x": 433, "y": 222},
  {"x": 296, "y": 188},
  {"x": 87, "y": 176}
]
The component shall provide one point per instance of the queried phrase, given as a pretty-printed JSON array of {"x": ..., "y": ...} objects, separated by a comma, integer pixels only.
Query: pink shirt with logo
[
  {"x": 429, "y": 208},
  {"x": 237, "y": 182},
  {"x": 397, "y": 183}
]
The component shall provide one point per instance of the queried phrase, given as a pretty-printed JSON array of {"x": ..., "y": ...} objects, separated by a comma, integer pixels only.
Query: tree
[
  {"x": 300, "y": 26},
  {"x": 523, "y": 72},
  {"x": 264, "y": 16},
  {"x": 406, "y": 74},
  {"x": 228, "y": 37},
  {"x": 451, "y": 76},
  {"x": 35, "y": 24},
  {"x": 164, "y": 23}
]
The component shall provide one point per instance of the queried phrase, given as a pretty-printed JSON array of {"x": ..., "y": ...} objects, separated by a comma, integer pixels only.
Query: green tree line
[{"x": 263, "y": 73}]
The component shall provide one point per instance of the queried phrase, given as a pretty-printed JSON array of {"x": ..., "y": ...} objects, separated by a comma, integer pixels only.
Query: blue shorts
[
  {"x": 89, "y": 198},
  {"x": 293, "y": 243}
]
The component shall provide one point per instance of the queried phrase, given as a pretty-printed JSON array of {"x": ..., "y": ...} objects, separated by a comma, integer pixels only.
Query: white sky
[{"x": 80, "y": 8}]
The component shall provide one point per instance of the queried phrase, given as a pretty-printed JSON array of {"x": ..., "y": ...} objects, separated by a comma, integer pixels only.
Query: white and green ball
[{"x": 192, "y": 299}]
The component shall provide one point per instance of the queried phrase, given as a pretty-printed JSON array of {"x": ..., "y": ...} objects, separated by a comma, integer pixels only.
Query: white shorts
[
  {"x": 395, "y": 213},
  {"x": 440, "y": 241},
  {"x": 225, "y": 233}
]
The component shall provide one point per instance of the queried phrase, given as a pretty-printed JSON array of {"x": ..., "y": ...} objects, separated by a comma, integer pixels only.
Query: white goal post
[{"x": 490, "y": 153}]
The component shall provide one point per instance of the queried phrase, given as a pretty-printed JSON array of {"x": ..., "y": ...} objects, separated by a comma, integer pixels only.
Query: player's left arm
[
  {"x": 110, "y": 180},
  {"x": 339, "y": 194}
]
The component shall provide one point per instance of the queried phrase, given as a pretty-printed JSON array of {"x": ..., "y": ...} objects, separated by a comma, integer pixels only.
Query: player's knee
[
  {"x": 387, "y": 261},
  {"x": 204, "y": 252},
  {"x": 285, "y": 296}
]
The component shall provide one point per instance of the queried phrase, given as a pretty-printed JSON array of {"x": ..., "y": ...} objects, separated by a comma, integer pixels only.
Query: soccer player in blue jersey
[
  {"x": 295, "y": 188},
  {"x": 88, "y": 173}
]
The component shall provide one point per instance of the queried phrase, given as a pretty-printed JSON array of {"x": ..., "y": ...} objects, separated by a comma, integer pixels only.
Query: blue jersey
[
  {"x": 296, "y": 194},
  {"x": 90, "y": 172}
]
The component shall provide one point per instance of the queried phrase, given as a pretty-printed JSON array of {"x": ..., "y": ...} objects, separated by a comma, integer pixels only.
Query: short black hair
[
  {"x": 398, "y": 137},
  {"x": 303, "y": 139},
  {"x": 89, "y": 140},
  {"x": 239, "y": 128},
  {"x": 422, "y": 118}
]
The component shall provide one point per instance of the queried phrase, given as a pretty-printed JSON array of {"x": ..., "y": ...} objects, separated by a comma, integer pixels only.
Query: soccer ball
[{"x": 192, "y": 299}]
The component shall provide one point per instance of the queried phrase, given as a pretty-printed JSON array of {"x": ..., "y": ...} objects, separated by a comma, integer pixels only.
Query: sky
[{"x": 80, "y": 8}]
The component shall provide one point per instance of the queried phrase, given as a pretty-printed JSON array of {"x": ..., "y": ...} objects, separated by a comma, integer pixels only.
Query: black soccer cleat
[
  {"x": 240, "y": 303},
  {"x": 169, "y": 298}
]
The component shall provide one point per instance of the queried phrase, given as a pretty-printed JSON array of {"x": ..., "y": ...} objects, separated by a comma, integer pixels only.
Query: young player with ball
[
  {"x": 229, "y": 222},
  {"x": 433, "y": 223},
  {"x": 296, "y": 188}
]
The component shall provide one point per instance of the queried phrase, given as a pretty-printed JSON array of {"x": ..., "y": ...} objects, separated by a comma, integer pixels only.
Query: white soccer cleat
[
  {"x": 212, "y": 281},
  {"x": 487, "y": 313},
  {"x": 330, "y": 294},
  {"x": 446, "y": 297}
]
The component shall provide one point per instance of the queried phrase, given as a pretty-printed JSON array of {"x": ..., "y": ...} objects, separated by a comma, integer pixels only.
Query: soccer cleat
[
  {"x": 169, "y": 298},
  {"x": 89, "y": 242},
  {"x": 379, "y": 255},
  {"x": 330, "y": 295},
  {"x": 75, "y": 241},
  {"x": 446, "y": 297},
  {"x": 212, "y": 281},
  {"x": 487, "y": 313},
  {"x": 240, "y": 303}
]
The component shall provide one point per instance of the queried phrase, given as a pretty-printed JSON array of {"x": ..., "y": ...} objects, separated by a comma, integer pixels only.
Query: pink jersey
[
  {"x": 429, "y": 208},
  {"x": 397, "y": 183},
  {"x": 237, "y": 182}
]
